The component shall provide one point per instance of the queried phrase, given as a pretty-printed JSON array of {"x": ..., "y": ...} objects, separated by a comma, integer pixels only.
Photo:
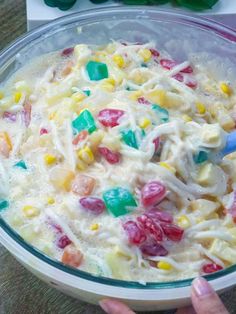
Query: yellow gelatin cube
[
  {"x": 50, "y": 159},
  {"x": 183, "y": 221},
  {"x": 157, "y": 97},
  {"x": 164, "y": 265},
  {"x": 186, "y": 118},
  {"x": 145, "y": 54},
  {"x": 206, "y": 174},
  {"x": 30, "y": 211},
  {"x": 94, "y": 227},
  {"x": 1, "y": 95},
  {"x": 61, "y": 178},
  {"x": 78, "y": 97},
  {"x": 167, "y": 166},
  {"x": 86, "y": 155},
  {"x": 144, "y": 123},
  {"x": 107, "y": 87},
  {"x": 225, "y": 88},
  {"x": 135, "y": 95},
  {"x": 200, "y": 108},
  {"x": 50, "y": 200},
  {"x": 119, "y": 60}
]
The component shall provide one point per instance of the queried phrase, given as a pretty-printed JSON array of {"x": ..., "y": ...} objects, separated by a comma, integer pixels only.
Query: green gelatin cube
[
  {"x": 96, "y": 70},
  {"x": 21, "y": 164},
  {"x": 197, "y": 4},
  {"x": 129, "y": 138},
  {"x": 84, "y": 121},
  {"x": 201, "y": 157},
  {"x": 3, "y": 204},
  {"x": 162, "y": 113},
  {"x": 119, "y": 201},
  {"x": 87, "y": 92}
]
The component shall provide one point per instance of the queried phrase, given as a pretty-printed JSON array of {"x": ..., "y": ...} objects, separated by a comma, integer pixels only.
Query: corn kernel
[
  {"x": 135, "y": 95},
  {"x": 78, "y": 97},
  {"x": 86, "y": 155},
  {"x": 30, "y": 211},
  {"x": 186, "y": 118},
  {"x": 1, "y": 95},
  {"x": 183, "y": 221},
  {"x": 226, "y": 89},
  {"x": 200, "y": 108},
  {"x": 17, "y": 97},
  {"x": 110, "y": 80},
  {"x": 119, "y": 60},
  {"x": 164, "y": 265},
  {"x": 50, "y": 159},
  {"x": 50, "y": 200},
  {"x": 145, "y": 54},
  {"x": 94, "y": 227},
  {"x": 144, "y": 123},
  {"x": 167, "y": 166}
]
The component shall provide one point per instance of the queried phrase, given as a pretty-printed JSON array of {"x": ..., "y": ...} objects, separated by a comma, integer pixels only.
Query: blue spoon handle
[{"x": 230, "y": 145}]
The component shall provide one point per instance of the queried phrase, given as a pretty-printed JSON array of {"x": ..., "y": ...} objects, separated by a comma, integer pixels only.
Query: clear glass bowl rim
[{"x": 95, "y": 15}]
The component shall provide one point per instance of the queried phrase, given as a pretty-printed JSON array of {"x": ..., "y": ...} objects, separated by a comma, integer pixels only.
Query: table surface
[{"x": 20, "y": 291}]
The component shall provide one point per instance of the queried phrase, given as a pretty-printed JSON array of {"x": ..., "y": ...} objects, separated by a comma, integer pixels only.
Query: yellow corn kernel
[
  {"x": 167, "y": 166},
  {"x": 30, "y": 211},
  {"x": 81, "y": 165},
  {"x": 94, "y": 227},
  {"x": 86, "y": 155},
  {"x": 78, "y": 97},
  {"x": 50, "y": 200},
  {"x": 144, "y": 123},
  {"x": 1, "y": 95},
  {"x": 135, "y": 95},
  {"x": 50, "y": 159},
  {"x": 119, "y": 60},
  {"x": 164, "y": 265},
  {"x": 145, "y": 54},
  {"x": 52, "y": 116},
  {"x": 110, "y": 80},
  {"x": 183, "y": 221},
  {"x": 200, "y": 108},
  {"x": 225, "y": 88},
  {"x": 17, "y": 96},
  {"x": 186, "y": 118}
]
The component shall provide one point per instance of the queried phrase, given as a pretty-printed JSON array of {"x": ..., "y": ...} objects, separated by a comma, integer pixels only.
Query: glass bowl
[{"x": 180, "y": 35}]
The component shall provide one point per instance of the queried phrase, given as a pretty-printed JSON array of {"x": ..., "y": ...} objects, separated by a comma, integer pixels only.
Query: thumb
[
  {"x": 111, "y": 306},
  {"x": 204, "y": 298}
]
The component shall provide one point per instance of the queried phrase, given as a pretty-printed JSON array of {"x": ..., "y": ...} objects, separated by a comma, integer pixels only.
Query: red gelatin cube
[
  {"x": 135, "y": 234},
  {"x": 151, "y": 227},
  {"x": 63, "y": 241},
  {"x": 152, "y": 248},
  {"x": 152, "y": 193},
  {"x": 43, "y": 131},
  {"x": 154, "y": 53},
  {"x": 110, "y": 156},
  {"x": 179, "y": 77},
  {"x": 156, "y": 214},
  {"x": 211, "y": 268},
  {"x": 172, "y": 232},
  {"x": 67, "y": 52},
  {"x": 93, "y": 204},
  {"x": 110, "y": 117},
  {"x": 168, "y": 64}
]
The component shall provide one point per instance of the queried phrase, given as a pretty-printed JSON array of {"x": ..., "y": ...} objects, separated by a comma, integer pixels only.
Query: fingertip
[{"x": 201, "y": 287}]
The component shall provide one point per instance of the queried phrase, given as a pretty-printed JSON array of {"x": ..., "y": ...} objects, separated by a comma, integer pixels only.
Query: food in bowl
[{"x": 109, "y": 162}]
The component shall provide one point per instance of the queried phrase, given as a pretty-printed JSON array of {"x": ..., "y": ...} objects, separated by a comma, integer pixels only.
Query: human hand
[{"x": 204, "y": 301}]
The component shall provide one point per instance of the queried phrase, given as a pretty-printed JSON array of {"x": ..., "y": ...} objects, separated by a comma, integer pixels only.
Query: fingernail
[
  {"x": 105, "y": 306},
  {"x": 202, "y": 287}
]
